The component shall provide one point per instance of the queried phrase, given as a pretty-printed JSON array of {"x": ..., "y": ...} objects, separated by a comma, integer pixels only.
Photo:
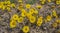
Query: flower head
[
  {"x": 8, "y": 8},
  {"x": 54, "y": 13},
  {"x": 15, "y": 17},
  {"x": 54, "y": 25},
  {"x": 32, "y": 19},
  {"x": 3, "y": 7},
  {"x": 58, "y": 21},
  {"x": 25, "y": 29},
  {"x": 20, "y": 1},
  {"x": 20, "y": 19},
  {"x": 24, "y": 13},
  {"x": 48, "y": 18},
  {"x": 12, "y": 5},
  {"x": 49, "y": 0},
  {"x": 31, "y": 11},
  {"x": 38, "y": 6},
  {"x": 57, "y": 2},
  {"x": 13, "y": 24},
  {"x": 42, "y": 1},
  {"x": 28, "y": 6},
  {"x": 39, "y": 21}
]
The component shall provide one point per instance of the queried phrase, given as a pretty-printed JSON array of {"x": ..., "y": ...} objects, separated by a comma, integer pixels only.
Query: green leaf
[
  {"x": 12, "y": 1},
  {"x": 31, "y": 1}
]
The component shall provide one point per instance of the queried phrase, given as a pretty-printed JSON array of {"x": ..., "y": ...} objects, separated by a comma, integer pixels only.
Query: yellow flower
[
  {"x": 40, "y": 21},
  {"x": 15, "y": 17},
  {"x": 38, "y": 6},
  {"x": 48, "y": 18},
  {"x": 13, "y": 24},
  {"x": 12, "y": 5},
  {"x": 5, "y": 2},
  {"x": 20, "y": 7},
  {"x": 25, "y": 29},
  {"x": 20, "y": 1},
  {"x": 23, "y": 14},
  {"x": 23, "y": 10},
  {"x": 20, "y": 19},
  {"x": 49, "y": 0},
  {"x": 32, "y": 19},
  {"x": 54, "y": 25},
  {"x": 42, "y": 1},
  {"x": 28, "y": 15},
  {"x": 36, "y": 11},
  {"x": 58, "y": 21},
  {"x": 1, "y": 5},
  {"x": 31, "y": 11},
  {"x": 28, "y": 6},
  {"x": 53, "y": 6},
  {"x": 8, "y": 2},
  {"x": 54, "y": 13},
  {"x": 8, "y": 8},
  {"x": 58, "y": 2}
]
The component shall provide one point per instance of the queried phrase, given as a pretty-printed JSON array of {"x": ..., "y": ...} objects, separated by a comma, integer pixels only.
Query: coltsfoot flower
[
  {"x": 32, "y": 19},
  {"x": 15, "y": 17},
  {"x": 28, "y": 6},
  {"x": 13, "y": 24},
  {"x": 40, "y": 21},
  {"x": 54, "y": 13},
  {"x": 20, "y": 19},
  {"x": 57, "y": 2},
  {"x": 48, "y": 18},
  {"x": 25, "y": 29},
  {"x": 55, "y": 25}
]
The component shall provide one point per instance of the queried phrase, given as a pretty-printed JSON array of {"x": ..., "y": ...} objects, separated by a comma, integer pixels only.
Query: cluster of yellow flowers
[
  {"x": 6, "y": 5},
  {"x": 56, "y": 1},
  {"x": 30, "y": 12},
  {"x": 14, "y": 19},
  {"x": 19, "y": 19}
]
